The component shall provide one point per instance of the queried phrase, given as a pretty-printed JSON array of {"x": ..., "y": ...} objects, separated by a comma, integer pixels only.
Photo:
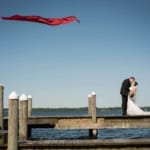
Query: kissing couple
[{"x": 128, "y": 92}]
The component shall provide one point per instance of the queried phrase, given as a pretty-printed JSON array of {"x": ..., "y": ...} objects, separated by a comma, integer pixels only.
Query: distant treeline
[{"x": 80, "y": 108}]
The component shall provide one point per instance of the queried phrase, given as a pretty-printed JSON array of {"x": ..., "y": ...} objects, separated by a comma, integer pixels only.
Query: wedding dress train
[{"x": 133, "y": 109}]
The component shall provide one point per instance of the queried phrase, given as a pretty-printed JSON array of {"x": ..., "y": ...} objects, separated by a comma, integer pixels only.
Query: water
[{"x": 83, "y": 134}]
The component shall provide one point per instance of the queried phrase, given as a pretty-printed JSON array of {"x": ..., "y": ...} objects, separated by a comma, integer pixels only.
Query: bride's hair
[
  {"x": 132, "y": 95},
  {"x": 136, "y": 83}
]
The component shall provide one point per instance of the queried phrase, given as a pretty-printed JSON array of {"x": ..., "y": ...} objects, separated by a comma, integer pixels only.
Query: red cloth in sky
[{"x": 39, "y": 19}]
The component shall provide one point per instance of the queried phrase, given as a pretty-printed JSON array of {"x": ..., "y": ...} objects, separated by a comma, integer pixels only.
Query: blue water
[{"x": 39, "y": 133}]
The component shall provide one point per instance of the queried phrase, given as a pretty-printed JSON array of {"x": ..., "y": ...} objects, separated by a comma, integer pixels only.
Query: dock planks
[
  {"x": 90, "y": 144},
  {"x": 85, "y": 122}
]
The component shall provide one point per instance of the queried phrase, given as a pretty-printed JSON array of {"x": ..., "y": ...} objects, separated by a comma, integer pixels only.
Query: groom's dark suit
[{"x": 124, "y": 93}]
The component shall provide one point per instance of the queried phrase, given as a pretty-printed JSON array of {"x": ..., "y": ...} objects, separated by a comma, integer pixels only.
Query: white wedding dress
[{"x": 133, "y": 109}]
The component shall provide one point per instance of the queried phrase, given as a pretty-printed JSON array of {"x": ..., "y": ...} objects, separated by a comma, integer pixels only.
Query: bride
[{"x": 132, "y": 108}]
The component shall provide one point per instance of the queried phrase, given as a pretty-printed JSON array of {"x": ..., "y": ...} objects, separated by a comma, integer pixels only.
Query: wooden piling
[
  {"x": 3, "y": 134},
  {"x": 93, "y": 107},
  {"x": 13, "y": 122},
  {"x": 29, "y": 114},
  {"x": 89, "y": 105},
  {"x": 29, "y": 105},
  {"x": 1, "y": 106},
  {"x": 93, "y": 132},
  {"x": 23, "y": 117}
]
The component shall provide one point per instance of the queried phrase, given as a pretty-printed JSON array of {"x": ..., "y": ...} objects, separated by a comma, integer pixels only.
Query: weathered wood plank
[
  {"x": 103, "y": 122},
  {"x": 127, "y": 122},
  {"x": 123, "y": 144},
  {"x": 42, "y": 120},
  {"x": 85, "y": 122},
  {"x": 79, "y": 123},
  {"x": 92, "y": 144},
  {"x": 3, "y": 137}
]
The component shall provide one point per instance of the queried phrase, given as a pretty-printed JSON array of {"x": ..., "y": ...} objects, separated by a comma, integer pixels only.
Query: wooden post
[
  {"x": 89, "y": 105},
  {"x": 1, "y": 106},
  {"x": 3, "y": 134},
  {"x": 29, "y": 105},
  {"x": 29, "y": 114},
  {"x": 93, "y": 132},
  {"x": 93, "y": 107},
  {"x": 13, "y": 122},
  {"x": 23, "y": 117}
]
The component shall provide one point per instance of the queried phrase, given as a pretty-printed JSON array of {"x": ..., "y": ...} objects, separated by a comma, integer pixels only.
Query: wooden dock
[
  {"x": 84, "y": 122},
  {"x": 94, "y": 144},
  {"x": 15, "y": 130},
  {"x": 121, "y": 144}
]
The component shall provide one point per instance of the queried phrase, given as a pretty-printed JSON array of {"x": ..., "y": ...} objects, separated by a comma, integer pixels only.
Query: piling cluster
[{"x": 20, "y": 108}]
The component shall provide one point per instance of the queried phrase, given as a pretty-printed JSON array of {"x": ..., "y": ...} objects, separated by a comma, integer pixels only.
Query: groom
[{"x": 124, "y": 91}]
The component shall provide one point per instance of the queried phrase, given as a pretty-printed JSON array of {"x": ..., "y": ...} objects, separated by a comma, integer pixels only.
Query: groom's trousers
[{"x": 124, "y": 104}]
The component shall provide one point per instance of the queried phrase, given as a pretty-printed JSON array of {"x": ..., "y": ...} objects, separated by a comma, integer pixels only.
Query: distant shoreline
[{"x": 75, "y": 108}]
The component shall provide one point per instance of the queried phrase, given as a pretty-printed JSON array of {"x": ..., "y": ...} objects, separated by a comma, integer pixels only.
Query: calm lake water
[{"x": 83, "y": 134}]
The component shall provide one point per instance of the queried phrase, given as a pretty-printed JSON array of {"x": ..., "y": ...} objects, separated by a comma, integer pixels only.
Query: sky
[{"x": 61, "y": 65}]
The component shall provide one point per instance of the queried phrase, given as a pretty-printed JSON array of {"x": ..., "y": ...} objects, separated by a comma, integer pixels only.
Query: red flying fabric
[{"x": 39, "y": 19}]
